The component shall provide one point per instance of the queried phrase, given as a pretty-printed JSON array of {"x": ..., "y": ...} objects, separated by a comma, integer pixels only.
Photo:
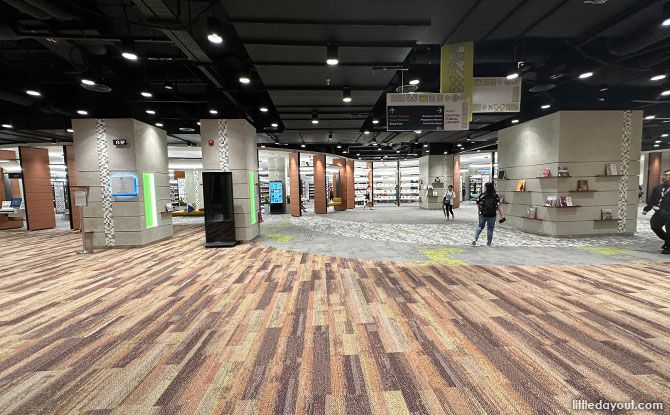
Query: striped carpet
[{"x": 177, "y": 329}]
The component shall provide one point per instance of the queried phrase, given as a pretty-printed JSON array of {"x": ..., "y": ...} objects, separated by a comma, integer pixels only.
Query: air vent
[
  {"x": 407, "y": 88},
  {"x": 542, "y": 87},
  {"x": 97, "y": 88}
]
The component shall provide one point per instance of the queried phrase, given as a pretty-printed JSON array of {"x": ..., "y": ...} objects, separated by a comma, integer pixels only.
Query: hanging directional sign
[{"x": 426, "y": 111}]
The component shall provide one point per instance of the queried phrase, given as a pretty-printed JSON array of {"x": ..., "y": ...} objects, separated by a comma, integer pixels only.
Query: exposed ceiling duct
[
  {"x": 635, "y": 42},
  {"x": 16, "y": 99},
  {"x": 41, "y": 9}
]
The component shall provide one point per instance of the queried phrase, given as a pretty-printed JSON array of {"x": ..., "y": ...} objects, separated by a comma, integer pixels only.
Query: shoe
[
  {"x": 474, "y": 243},
  {"x": 666, "y": 251},
  {"x": 489, "y": 245}
]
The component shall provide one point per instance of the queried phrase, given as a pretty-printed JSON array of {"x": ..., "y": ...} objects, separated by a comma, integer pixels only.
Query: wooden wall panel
[
  {"x": 351, "y": 193},
  {"x": 320, "y": 197},
  {"x": 655, "y": 161},
  {"x": 294, "y": 176},
  {"x": 37, "y": 188},
  {"x": 342, "y": 189},
  {"x": 71, "y": 164},
  {"x": 5, "y": 221}
]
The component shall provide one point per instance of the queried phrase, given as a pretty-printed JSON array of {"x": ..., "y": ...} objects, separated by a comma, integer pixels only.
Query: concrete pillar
[
  {"x": 294, "y": 176},
  {"x": 193, "y": 188},
  {"x": 351, "y": 194},
  {"x": 128, "y": 183},
  {"x": 230, "y": 145},
  {"x": 431, "y": 168},
  {"x": 320, "y": 197},
  {"x": 457, "y": 181}
]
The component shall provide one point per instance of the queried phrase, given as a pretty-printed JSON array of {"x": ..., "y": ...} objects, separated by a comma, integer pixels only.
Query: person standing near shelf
[
  {"x": 488, "y": 204},
  {"x": 368, "y": 201},
  {"x": 448, "y": 202},
  {"x": 659, "y": 201}
]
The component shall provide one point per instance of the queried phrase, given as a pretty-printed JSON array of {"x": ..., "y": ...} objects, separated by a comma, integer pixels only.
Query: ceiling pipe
[
  {"x": 637, "y": 41},
  {"x": 16, "y": 99},
  {"x": 51, "y": 9},
  {"x": 28, "y": 9}
]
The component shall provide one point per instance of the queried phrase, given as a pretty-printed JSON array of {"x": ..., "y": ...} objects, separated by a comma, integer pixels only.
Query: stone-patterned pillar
[
  {"x": 320, "y": 197},
  {"x": 193, "y": 188},
  {"x": 136, "y": 218},
  {"x": 351, "y": 194},
  {"x": 294, "y": 177},
  {"x": 457, "y": 181},
  {"x": 230, "y": 145}
]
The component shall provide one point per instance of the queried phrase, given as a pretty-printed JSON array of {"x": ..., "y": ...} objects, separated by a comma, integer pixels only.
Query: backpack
[{"x": 488, "y": 204}]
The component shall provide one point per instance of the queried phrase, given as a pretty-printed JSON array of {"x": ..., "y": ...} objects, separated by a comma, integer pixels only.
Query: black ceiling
[{"x": 281, "y": 45}]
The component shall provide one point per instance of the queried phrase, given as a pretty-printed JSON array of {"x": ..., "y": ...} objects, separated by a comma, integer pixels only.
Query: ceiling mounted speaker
[
  {"x": 97, "y": 87},
  {"x": 542, "y": 87}
]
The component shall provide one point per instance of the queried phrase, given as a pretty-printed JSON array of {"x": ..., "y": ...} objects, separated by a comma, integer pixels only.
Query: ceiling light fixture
[
  {"x": 666, "y": 22},
  {"x": 603, "y": 89},
  {"x": 418, "y": 131},
  {"x": 425, "y": 145},
  {"x": 198, "y": 123},
  {"x": 146, "y": 91},
  {"x": 262, "y": 145},
  {"x": 414, "y": 82},
  {"x": 657, "y": 141},
  {"x": 82, "y": 112},
  {"x": 545, "y": 106},
  {"x": 70, "y": 130},
  {"x": 128, "y": 50},
  {"x": 7, "y": 125},
  {"x": 332, "y": 54},
  {"x": 302, "y": 145},
  {"x": 33, "y": 93},
  {"x": 213, "y": 111},
  {"x": 346, "y": 94},
  {"x": 88, "y": 82},
  {"x": 397, "y": 151},
  {"x": 665, "y": 93},
  {"x": 245, "y": 80},
  {"x": 214, "y": 30},
  {"x": 657, "y": 77},
  {"x": 664, "y": 135},
  {"x": 339, "y": 146},
  {"x": 366, "y": 132},
  {"x": 263, "y": 109},
  {"x": 169, "y": 86},
  {"x": 151, "y": 112},
  {"x": 274, "y": 125},
  {"x": 649, "y": 117},
  {"x": 159, "y": 124},
  {"x": 656, "y": 145},
  {"x": 315, "y": 117},
  {"x": 586, "y": 75},
  {"x": 515, "y": 121},
  {"x": 512, "y": 76},
  {"x": 375, "y": 121}
]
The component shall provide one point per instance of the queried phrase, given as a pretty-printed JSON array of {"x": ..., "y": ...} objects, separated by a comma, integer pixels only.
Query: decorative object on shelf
[
  {"x": 582, "y": 185},
  {"x": 565, "y": 201},
  {"x": 531, "y": 212},
  {"x": 546, "y": 173},
  {"x": 611, "y": 169},
  {"x": 606, "y": 214},
  {"x": 502, "y": 198},
  {"x": 502, "y": 175},
  {"x": 550, "y": 201},
  {"x": 563, "y": 172},
  {"x": 520, "y": 186}
]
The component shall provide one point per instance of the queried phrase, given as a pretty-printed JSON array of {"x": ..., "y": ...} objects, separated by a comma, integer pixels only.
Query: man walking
[{"x": 659, "y": 201}]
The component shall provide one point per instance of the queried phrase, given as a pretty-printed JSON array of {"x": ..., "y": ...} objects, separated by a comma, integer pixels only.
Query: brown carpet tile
[{"x": 177, "y": 329}]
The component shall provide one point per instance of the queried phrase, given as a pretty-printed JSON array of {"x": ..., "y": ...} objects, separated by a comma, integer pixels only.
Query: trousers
[
  {"x": 657, "y": 222},
  {"x": 490, "y": 223}
]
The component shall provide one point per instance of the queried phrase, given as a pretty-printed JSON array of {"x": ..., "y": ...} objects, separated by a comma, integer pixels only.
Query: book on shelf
[
  {"x": 611, "y": 169},
  {"x": 563, "y": 172},
  {"x": 606, "y": 214},
  {"x": 550, "y": 201},
  {"x": 501, "y": 175},
  {"x": 531, "y": 212},
  {"x": 582, "y": 185},
  {"x": 546, "y": 173},
  {"x": 520, "y": 186},
  {"x": 562, "y": 201}
]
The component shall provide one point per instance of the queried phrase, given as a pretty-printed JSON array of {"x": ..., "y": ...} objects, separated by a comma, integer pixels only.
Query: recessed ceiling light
[
  {"x": 70, "y": 130},
  {"x": 512, "y": 76},
  {"x": 418, "y": 131},
  {"x": 339, "y": 146},
  {"x": 375, "y": 121},
  {"x": 146, "y": 94},
  {"x": 601, "y": 99},
  {"x": 345, "y": 152},
  {"x": 586, "y": 75},
  {"x": 274, "y": 125},
  {"x": 665, "y": 93},
  {"x": 302, "y": 145},
  {"x": 649, "y": 117},
  {"x": 425, "y": 145},
  {"x": 128, "y": 49},
  {"x": 244, "y": 80},
  {"x": 213, "y": 111},
  {"x": 666, "y": 22},
  {"x": 168, "y": 86},
  {"x": 657, "y": 141},
  {"x": 459, "y": 145},
  {"x": 33, "y": 92},
  {"x": 7, "y": 126},
  {"x": 263, "y": 109},
  {"x": 198, "y": 123},
  {"x": 366, "y": 132},
  {"x": 358, "y": 154},
  {"x": 656, "y": 145},
  {"x": 159, "y": 124},
  {"x": 315, "y": 117},
  {"x": 151, "y": 112},
  {"x": 186, "y": 129},
  {"x": 414, "y": 82},
  {"x": 129, "y": 56},
  {"x": 82, "y": 112},
  {"x": 602, "y": 89},
  {"x": 658, "y": 77},
  {"x": 545, "y": 106},
  {"x": 87, "y": 82},
  {"x": 515, "y": 121},
  {"x": 346, "y": 94},
  {"x": 664, "y": 135},
  {"x": 397, "y": 151},
  {"x": 262, "y": 145}
]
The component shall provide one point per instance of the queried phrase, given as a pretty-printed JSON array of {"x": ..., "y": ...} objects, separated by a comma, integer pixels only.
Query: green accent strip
[
  {"x": 149, "y": 191},
  {"x": 252, "y": 198}
]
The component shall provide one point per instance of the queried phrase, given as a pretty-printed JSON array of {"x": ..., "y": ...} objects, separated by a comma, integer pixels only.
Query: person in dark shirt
[
  {"x": 659, "y": 201},
  {"x": 488, "y": 204}
]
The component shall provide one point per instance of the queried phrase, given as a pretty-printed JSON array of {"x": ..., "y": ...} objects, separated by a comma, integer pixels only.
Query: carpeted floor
[{"x": 177, "y": 329}]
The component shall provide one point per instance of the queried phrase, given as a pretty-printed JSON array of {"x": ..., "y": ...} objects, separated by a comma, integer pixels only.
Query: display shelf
[
  {"x": 582, "y": 191},
  {"x": 562, "y": 207},
  {"x": 553, "y": 177},
  {"x": 609, "y": 175},
  {"x": 606, "y": 220}
]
